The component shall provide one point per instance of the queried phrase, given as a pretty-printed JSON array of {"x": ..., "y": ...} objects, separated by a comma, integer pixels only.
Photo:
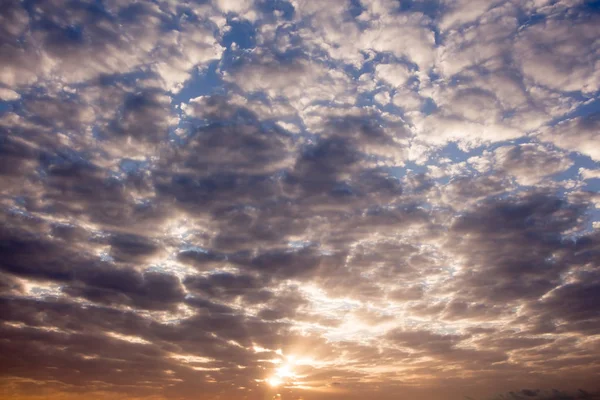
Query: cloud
[
  {"x": 360, "y": 198},
  {"x": 568, "y": 67},
  {"x": 91, "y": 41},
  {"x": 514, "y": 247},
  {"x": 529, "y": 163},
  {"x": 576, "y": 134},
  {"x": 554, "y": 394},
  {"x": 589, "y": 173}
]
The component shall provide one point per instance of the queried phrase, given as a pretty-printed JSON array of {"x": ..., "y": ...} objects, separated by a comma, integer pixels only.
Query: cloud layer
[{"x": 285, "y": 199}]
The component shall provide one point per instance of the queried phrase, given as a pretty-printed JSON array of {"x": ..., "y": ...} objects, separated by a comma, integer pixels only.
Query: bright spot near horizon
[
  {"x": 283, "y": 374},
  {"x": 274, "y": 381}
]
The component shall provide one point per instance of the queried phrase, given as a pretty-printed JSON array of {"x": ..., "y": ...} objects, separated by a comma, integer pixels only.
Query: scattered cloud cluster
[{"x": 291, "y": 199}]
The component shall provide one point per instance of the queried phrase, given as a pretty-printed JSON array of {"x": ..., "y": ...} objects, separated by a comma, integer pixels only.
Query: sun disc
[{"x": 274, "y": 381}]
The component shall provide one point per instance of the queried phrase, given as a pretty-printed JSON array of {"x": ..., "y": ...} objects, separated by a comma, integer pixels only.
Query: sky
[{"x": 300, "y": 199}]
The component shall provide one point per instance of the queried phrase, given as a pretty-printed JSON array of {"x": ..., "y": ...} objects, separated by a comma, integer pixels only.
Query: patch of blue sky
[
  {"x": 7, "y": 106},
  {"x": 525, "y": 20},
  {"x": 106, "y": 257},
  {"x": 242, "y": 33},
  {"x": 66, "y": 157},
  {"x": 592, "y": 6},
  {"x": 204, "y": 81},
  {"x": 585, "y": 227},
  {"x": 355, "y": 8},
  {"x": 194, "y": 248},
  {"x": 455, "y": 154},
  {"x": 132, "y": 167},
  {"x": 300, "y": 244},
  {"x": 409, "y": 167},
  {"x": 590, "y": 105},
  {"x": 429, "y": 106},
  {"x": 18, "y": 210},
  {"x": 388, "y": 58},
  {"x": 343, "y": 189},
  {"x": 371, "y": 60},
  {"x": 174, "y": 268},
  {"x": 431, "y": 8},
  {"x": 284, "y": 8},
  {"x": 579, "y": 161}
]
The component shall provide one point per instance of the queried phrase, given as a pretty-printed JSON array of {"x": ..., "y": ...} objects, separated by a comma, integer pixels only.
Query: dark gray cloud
[
  {"x": 516, "y": 248},
  {"x": 548, "y": 395}
]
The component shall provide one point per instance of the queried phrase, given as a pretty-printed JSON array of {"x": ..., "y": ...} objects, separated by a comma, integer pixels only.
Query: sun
[
  {"x": 274, "y": 381},
  {"x": 283, "y": 374}
]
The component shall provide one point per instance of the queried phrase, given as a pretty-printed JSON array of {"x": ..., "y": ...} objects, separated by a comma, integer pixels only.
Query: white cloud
[
  {"x": 586, "y": 173},
  {"x": 382, "y": 98},
  {"x": 579, "y": 134},
  {"x": 562, "y": 54},
  {"x": 394, "y": 74},
  {"x": 530, "y": 163},
  {"x": 8, "y": 95}
]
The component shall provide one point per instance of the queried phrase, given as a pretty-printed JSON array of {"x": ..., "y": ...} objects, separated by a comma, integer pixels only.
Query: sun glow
[
  {"x": 274, "y": 381},
  {"x": 284, "y": 374}
]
